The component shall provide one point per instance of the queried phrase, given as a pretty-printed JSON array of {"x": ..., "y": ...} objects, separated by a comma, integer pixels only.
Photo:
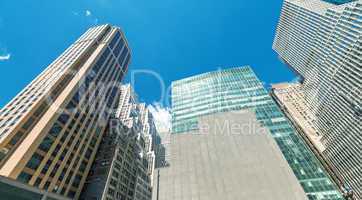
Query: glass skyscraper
[{"x": 239, "y": 88}]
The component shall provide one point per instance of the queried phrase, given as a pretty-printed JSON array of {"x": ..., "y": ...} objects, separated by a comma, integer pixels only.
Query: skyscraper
[
  {"x": 120, "y": 170},
  {"x": 290, "y": 98},
  {"x": 132, "y": 113},
  {"x": 50, "y": 131},
  {"x": 321, "y": 42},
  {"x": 230, "y": 157},
  {"x": 125, "y": 162},
  {"x": 11, "y": 189},
  {"x": 236, "y": 89}
]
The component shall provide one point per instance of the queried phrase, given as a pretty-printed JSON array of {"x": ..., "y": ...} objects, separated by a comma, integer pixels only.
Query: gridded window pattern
[
  {"x": 65, "y": 148},
  {"x": 76, "y": 149},
  {"x": 118, "y": 171},
  {"x": 23, "y": 102},
  {"x": 239, "y": 88},
  {"x": 322, "y": 42},
  {"x": 42, "y": 91}
]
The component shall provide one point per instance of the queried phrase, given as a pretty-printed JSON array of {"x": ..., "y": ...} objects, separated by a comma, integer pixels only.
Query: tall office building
[
  {"x": 125, "y": 162},
  {"x": 321, "y": 41},
  {"x": 236, "y": 89},
  {"x": 127, "y": 108},
  {"x": 230, "y": 157},
  {"x": 290, "y": 97},
  {"x": 50, "y": 131},
  {"x": 150, "y": 132},
  {"x": 120, "y": 170},
  {"x": 14, "y": 190},
  {"x": 162, "y": 122},
  {"x": 162, "y": 149},
  {"x": 132, "y": 113}
]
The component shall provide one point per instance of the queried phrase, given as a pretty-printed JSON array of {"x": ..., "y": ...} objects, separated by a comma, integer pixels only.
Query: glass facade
[{"x": 239, "y": 88}]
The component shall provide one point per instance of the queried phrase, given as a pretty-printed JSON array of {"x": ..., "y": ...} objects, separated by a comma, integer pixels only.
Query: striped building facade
[
  {"x": 50, "y": 132},
  {"x": 322, "y": 42}
]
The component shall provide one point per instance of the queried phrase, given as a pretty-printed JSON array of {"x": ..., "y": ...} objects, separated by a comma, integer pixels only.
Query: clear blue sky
[{"x": 175, "y": 38}]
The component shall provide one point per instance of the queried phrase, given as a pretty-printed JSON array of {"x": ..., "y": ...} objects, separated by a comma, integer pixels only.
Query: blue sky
[{"x": 174, "y": 38}]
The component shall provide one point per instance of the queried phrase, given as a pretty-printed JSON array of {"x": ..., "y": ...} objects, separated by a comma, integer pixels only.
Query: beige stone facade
[
  {"x": 291, "y": 97},
  {"x": 50, "y": 131}
]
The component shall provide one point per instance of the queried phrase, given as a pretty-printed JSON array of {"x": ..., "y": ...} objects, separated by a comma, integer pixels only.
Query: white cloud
[
  {"x": 88, "y": 13},
  {"x": 5, "y": 57},
  {"x": 162, "y": 117}
]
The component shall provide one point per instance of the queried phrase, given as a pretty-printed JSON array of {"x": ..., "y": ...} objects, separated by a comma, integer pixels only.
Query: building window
[
  {"x": 16, "y": 138},
  {"x": 63, "y": 118},
  {"x": 56, "y": 150},
  {"x": 82, "y": 167},
  {"x": 114, "y": 40},
  {"x": 35, "y": 161},
  {"x": 122, "y": 56},
  {"x": 24, "y": 177},
  {"x": 54, "y": 171},
  {"x": 46, "y": 144},
  {"x": 111, "y": 192},
  {"x": 28, "y": 123},
  {"x": 46, "y": 186},
  {"x": 76, "y": 181},
  {"x": 37, "y": 182},
  {"x": 62, "y": 174},
  {"x": 40, "y": 110},
  {"x": 55, "y": 130},
  {"x": 88, "y": 153},
  {"x": 46, "y": 167}
]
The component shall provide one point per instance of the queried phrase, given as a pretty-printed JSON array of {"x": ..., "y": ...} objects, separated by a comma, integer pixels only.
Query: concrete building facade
[
  {"x": 162, "y": 149},
  {"x": 230, "y": 157},
  {"x": 50, "y": 132},
  {"x": 132, "y": 113},
  {"x": 236, "y": 89},
  {"x": 321, "y": 41},
  {"x": 120, "y": 170},
  {"x": 125, "y": 162}
]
